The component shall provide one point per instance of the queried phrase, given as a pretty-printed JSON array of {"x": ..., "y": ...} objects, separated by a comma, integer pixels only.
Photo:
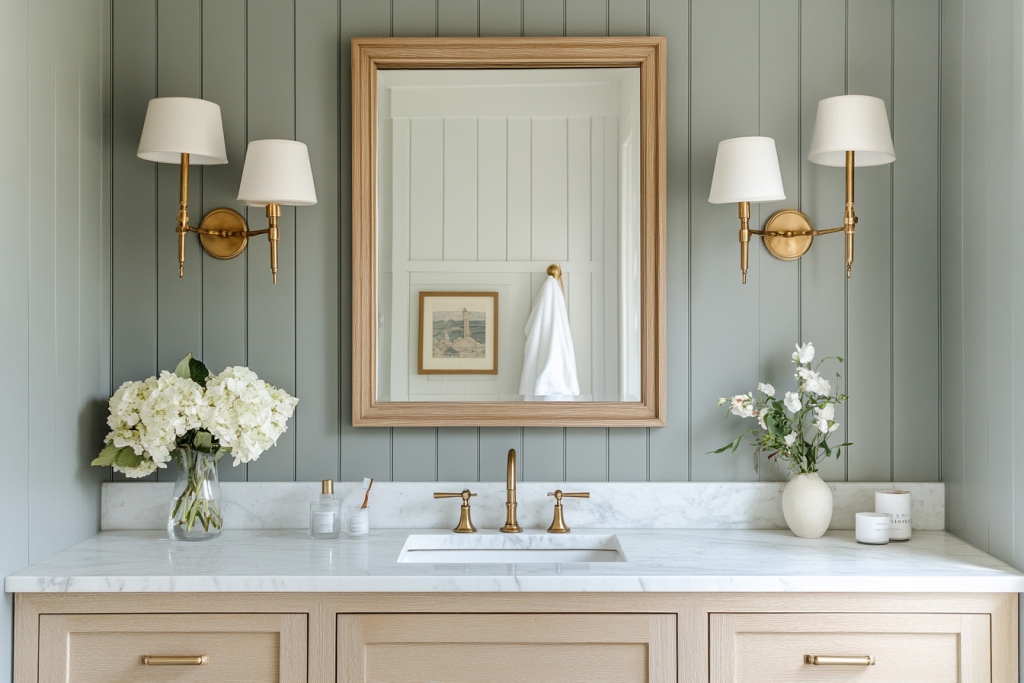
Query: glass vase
[{"x": 195, "y": 505}]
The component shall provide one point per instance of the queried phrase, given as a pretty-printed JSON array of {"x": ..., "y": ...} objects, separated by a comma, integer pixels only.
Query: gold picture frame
[{"x": 475, "y": 351}]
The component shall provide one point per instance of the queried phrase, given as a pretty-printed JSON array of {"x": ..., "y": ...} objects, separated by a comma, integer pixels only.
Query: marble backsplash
[{"x": 612, "y": 505}]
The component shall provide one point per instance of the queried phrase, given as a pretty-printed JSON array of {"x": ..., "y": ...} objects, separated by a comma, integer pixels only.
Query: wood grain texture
[
  {"x": 456, "y": 647},
  {"x": 370, "y": 54},
  {"x": 101, "y": 648},
  {"x": 908, "y": 647},
  {"x": 336, "y": 620}
]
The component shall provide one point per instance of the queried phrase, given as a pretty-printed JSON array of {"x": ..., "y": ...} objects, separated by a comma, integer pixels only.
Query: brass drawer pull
[
  {"x": 150, "y": 660},
  {"x": 836, "y": 660}
]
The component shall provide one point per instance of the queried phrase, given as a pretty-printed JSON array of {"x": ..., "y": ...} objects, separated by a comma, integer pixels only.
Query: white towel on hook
[{"x": 549, "y": 362}]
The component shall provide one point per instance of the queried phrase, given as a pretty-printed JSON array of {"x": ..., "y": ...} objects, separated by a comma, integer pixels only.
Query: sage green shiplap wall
[
  {"x": 736, "y": 67},
  {"x": 54, "y": 278},
  {"x": 982, "y": 293}
]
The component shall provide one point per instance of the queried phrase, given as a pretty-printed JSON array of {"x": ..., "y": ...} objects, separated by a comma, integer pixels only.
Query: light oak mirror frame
[{"x": 371, "y": 54}]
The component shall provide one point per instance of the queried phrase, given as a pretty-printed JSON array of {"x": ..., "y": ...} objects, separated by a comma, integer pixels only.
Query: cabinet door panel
[
  {"x": 908, "y": 648},
  {"x": 506, "y": 648},
  {"x": 108, "y": 648}
]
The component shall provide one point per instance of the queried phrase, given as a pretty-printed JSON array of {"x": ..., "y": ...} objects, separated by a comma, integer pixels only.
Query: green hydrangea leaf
[
  {"x": 183, "y": 367},
  {"x": 197, "y": 371},
  {"x": 107, "y": 457}
]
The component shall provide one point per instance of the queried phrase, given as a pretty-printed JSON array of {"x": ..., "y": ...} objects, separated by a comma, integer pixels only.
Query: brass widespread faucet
[{"x": 511, "y": 525}]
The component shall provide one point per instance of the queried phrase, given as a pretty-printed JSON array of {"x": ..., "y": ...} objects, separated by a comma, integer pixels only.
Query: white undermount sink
[{"x": 511, "y": 548}]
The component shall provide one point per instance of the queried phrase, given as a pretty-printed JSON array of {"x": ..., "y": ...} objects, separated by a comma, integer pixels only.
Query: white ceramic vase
[{"x": 807, "y": 505}]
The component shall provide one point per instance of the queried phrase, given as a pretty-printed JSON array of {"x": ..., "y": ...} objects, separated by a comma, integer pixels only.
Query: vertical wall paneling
[
  {"x": 779, "y": 118},
  {"x": 724, "y": 72},
  {"x": 1000, "y": 268},
  {"x": 224, "y": 282},
  {"x": 271, "y": 316},
  {"x": 543, "y": 448},
  {"x": 179, "y": 303},
  {"x": 627, "y": 454},
  {"x": 282, "y": 70},
  {"x": 414, "y": 451},
  {"x": 42, "y": 257},
  {"x": 457, "y": 454},
  {"x": 501, "y": 18},
  {"x": 915, "y": 253},
  {"x": 869, "y": 312},
  {"x": 458, "y": 17},
  {"x": 975, "y": 256},
  {"x": 134, "y": 195},
  {"x": 629, "y": 18},
  {"x": 953, "y": 436},
  {"x": 366, "y": 451},
  {"x": 179, "y": 299},
  {"x": 15, "y": 70},
  {"x": 543, "y": 454},
  {"x": 317, "y": 438},
  {"x": 670, "y": 445},
  {"x": 495, "y": 443},
  {"x": 587, "y": 18},
  {"x": 411, "y": 18},
  {"x": 55, "y": 66},
  {"x": 822, "y": 276},
  {"x": 1017, "y": 245},
  {"x": 586, "y": 454},
  {"x": 543, "y": 17},
  {"x": 415, "y": 454}
]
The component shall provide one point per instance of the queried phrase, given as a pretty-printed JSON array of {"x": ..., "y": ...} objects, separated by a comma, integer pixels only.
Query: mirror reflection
[{"x": 508, "y": 235}]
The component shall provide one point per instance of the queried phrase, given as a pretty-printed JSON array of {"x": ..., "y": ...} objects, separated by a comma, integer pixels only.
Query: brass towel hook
[{"x": 555, "y": 271}]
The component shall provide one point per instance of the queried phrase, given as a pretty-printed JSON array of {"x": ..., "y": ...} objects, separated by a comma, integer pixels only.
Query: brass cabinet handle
[
  {"x": 199, "y": 660},
  {"x": 839, "y": 660}
]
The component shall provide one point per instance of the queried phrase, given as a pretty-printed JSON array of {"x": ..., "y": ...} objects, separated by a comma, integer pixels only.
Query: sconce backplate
[
  {"x": 785, "y": 247},
  {"x": 227, "y": 220}
]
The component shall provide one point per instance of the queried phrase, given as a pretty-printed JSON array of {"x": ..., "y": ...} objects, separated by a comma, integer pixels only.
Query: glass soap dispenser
[{"x": 325, "y": 513}]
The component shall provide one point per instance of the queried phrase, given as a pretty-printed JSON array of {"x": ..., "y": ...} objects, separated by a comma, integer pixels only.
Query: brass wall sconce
[
  {"x": 187, "y": 131},
  {"x": 850, "y": 131}
]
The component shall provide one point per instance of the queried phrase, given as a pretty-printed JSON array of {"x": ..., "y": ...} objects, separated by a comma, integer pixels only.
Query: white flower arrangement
[
  {"x": 795, "y": 429},
  {"x": 234, "y": 412},
  {"x": 198, "y": 419}
]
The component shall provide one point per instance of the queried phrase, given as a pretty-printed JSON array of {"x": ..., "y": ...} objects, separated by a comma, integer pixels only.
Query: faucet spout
[{"x": 511, "y": 524}]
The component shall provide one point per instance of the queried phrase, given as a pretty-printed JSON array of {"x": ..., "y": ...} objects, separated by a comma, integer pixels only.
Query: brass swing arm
[
  {"x": 221, "y": 233},
  {"x": 789, "y": 233}
]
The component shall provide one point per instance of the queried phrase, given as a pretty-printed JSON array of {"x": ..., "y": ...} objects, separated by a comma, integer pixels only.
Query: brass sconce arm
[{"x": 794, "y": 241}]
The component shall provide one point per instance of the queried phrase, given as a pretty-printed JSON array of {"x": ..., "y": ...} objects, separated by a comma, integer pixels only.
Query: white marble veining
[
  {"x": 657, "y": 560},
  {"x": 682, "y": 505}
]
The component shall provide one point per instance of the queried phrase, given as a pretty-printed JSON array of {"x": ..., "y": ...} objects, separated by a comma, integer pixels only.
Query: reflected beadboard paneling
[
  {"x": 743, "y": 67},
  {"x": 56, "y": 168}
]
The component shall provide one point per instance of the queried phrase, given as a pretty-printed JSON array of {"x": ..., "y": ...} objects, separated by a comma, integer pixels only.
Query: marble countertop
[{"x": 657, "y": 560}]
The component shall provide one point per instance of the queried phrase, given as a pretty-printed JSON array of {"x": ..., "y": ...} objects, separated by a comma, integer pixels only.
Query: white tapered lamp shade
[
  {"x": 747, "y": 170},
  {"x": 277, "y": 172},
  {"x": 851, "y": 123},
  {"x": 183, "y": 125}
]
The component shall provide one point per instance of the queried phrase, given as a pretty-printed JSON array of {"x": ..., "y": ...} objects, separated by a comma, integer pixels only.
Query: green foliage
[{"x": 193, "y": 369}]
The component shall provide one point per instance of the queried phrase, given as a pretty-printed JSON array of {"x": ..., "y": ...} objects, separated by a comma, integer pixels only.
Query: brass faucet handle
[
  {"x": 465, "y": 495},
  {"x": 559, "y": 495},
  {"x": 465, "y": 525},
  {"x": 558, "y": 525}
]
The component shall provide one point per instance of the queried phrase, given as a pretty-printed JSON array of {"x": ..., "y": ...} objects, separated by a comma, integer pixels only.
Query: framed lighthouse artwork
[{"x": 458, "y": 333}]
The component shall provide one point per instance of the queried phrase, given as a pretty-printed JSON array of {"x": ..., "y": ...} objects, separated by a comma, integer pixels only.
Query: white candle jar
[
  {"x": 896, "y": 504},
  {"x": 872, "y": 528}
]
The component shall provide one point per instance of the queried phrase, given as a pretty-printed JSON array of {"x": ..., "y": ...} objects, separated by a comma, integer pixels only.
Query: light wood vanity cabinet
[
  {"x": 564, "y": 637},
  {"x": 511, "y": 648}
]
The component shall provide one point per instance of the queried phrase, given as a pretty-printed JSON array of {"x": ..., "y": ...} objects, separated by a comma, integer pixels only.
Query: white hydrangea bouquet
[
  {"x": 197, "y": 419},
  {"x": 795, "y": 429}
]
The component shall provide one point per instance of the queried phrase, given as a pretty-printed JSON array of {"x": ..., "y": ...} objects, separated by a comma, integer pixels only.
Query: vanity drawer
[
  {"x": 109, "y": 648},
  {"x": 507, "y": 648},
  {"x": 906, "y": 648}
]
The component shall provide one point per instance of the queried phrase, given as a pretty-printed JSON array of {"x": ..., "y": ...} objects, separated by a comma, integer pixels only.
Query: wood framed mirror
[{"x": 477, "y": 164}]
